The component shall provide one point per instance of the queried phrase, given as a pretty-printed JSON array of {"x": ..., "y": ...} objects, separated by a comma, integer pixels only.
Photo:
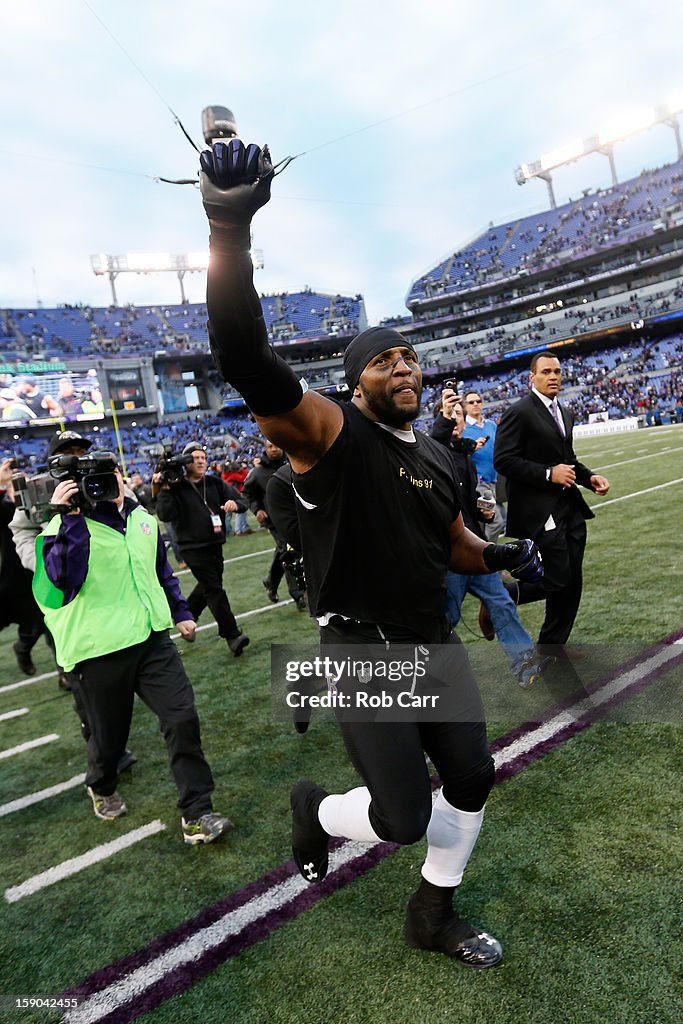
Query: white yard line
[
  {"x": 639, "y": 458},
  {"x": 174, "y": 636},
  {"x": 28, "y": 746},
  {"x": 13, "y": 714},
  {"x": 27, "y": 682},
  {"x": 76, "y": 864},
  {"x": 237, "y": 558},
  {"x": 624, "y": 497},
  {"x": 524, "y": 744},
  {"x": 232, "y": 923},
  {"x": 41, "y": 794}
]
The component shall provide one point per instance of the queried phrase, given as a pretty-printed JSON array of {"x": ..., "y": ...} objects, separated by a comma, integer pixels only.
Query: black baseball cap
[{"x": 64, "y": 440}]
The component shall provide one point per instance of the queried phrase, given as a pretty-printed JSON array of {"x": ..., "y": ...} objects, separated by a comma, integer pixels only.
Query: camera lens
[{"x": 93, "y": 489}]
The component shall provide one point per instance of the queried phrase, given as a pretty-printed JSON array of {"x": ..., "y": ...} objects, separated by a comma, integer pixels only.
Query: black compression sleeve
[{"x": 237, "y": 330}]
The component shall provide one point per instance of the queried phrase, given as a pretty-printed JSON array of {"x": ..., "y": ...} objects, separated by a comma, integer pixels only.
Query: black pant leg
[
  {"x": 276, "y": 571},
  {"x": 389, "y": 756},
  {"x": 565, "y": 582},
  {"x": 163, "y": 685},
  {"x": 104, "y": 688},
  {"x": 206, "y": 565},
  {"x": 196, "y": 599},
  {"x": 459, "y": 748}
]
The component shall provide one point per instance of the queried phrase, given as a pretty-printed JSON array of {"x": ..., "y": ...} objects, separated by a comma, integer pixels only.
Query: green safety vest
[{"x": 121, "y": 600}]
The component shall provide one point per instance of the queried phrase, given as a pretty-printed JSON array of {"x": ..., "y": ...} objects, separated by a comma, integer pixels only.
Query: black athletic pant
[
  {"x": 389, "y": 756},
  {"x": 206, "y": 565},
  {"x": 106, "y": 687}
]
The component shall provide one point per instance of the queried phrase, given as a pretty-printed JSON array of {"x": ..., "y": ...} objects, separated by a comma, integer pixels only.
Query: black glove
[
  {"x": 235, "y": 182},
  {"x": 521, "y": 558}
]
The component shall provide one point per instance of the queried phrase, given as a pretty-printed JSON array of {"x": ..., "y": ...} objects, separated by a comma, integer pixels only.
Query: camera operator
[
  {"x": 108, "y": 593},
  {"x": 26, "y": 525},
  {"x": 194, "y": 503},
  {"x": 17, "y": 604},
  {"x": 254, "y": 490}
]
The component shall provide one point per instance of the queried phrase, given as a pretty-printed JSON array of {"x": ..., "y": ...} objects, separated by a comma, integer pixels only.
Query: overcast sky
[{"x": 444, "y": 100}]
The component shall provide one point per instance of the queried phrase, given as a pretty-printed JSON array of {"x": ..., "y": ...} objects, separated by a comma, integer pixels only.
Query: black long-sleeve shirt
[{"x": 189, "y": 506}]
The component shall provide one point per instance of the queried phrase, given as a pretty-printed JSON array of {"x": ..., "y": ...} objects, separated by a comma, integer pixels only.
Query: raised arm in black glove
[
  {"x": 235, "y": 182},
  {"x": 521, "y": 558}
]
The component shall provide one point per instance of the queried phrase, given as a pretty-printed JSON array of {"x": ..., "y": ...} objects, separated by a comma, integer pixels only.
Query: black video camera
[
  {"x": 93, "y": 472},
  {"x": 172, "y": 467},
  {"x": 33, "y": 494}
]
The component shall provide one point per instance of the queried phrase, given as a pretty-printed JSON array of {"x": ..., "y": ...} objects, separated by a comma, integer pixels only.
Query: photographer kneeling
[
  {"x": 107, "y": 592},
  {"x": 194, "y": 502}
]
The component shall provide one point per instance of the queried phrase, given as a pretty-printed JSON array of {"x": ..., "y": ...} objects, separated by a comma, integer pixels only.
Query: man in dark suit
[{"x": 534, "y": 451}]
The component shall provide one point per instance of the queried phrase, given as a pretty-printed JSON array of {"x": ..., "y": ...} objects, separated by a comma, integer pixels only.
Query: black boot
[
  {"x": 309, "y": 838},
  {"x": 432, "y": 923},
  {"x": 24, "y": 659}
]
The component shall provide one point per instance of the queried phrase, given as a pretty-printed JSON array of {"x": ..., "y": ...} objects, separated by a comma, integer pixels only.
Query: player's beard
[{"x": 387, "y": 411}]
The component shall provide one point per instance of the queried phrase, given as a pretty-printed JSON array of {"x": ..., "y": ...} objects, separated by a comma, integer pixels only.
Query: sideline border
[{"x": 173, "y": 962}]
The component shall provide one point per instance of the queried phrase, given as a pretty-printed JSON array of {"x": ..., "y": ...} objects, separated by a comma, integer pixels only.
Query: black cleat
[
  {"x": 24, "y": 659},
  {"x": 272, "y": 594},
  {"x": 309, "y": 838},
  {"x": 441, "y": 930},
  {"x": 238, "y": 643}
]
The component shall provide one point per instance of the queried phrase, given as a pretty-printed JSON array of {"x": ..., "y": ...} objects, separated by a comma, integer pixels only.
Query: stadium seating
[
  {"x": 73, "y": 332},
  {"x": 597, "y": 221}
]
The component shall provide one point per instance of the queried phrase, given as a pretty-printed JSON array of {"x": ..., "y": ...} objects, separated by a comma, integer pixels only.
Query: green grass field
[{"x": 577, "y": 870}]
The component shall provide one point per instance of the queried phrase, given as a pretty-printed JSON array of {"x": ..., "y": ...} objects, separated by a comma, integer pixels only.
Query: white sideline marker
[
  {"x": 634, "y": 494},
  {"x": 27, "y": 682},
  {"x": 174, "y": 636},
  {"x": 547, "y": 730},
  {"x": 13, "y": 714},
  {"x": 640, "y": 458},
  {"x": 29, "y": 745},
  {"x": 242, "y": 615},
  {"x": 236, "y": 558},
  {"x": 105, "y": 1001},
  {"x": 41, "y": 794},
  {"x": 76, "y": 864}
]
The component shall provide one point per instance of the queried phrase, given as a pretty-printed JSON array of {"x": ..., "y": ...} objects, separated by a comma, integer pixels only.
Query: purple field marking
[{"x": 188, "y": 974}]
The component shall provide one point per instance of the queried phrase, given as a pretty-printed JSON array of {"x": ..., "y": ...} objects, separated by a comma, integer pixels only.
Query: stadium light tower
[
  {"x": 603, "y": 142},
  {"x": 148, "y": 263},
  {"x": 157, "y": 263}
]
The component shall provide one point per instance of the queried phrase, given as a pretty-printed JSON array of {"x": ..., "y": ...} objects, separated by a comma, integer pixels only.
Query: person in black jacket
[
  {"x": 534, "y": 451},
  {"x": 254, "y": 490},
  {"x": 195, "y": 506},
  {"x": 449, "y": 423},
  {"x": 17, "y": 604}
]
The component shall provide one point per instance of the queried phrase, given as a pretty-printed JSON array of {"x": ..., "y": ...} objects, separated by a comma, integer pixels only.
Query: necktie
[{"x": 555, "y": 410}]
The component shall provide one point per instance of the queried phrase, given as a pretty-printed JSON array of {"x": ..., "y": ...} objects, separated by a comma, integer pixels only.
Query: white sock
[
  {"x": 346, "y": 815},
  {"x": 451, "y": 835}
]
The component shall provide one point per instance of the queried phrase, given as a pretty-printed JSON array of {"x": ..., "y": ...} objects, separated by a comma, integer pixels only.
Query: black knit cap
[{"x": 366, "y": 346}]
